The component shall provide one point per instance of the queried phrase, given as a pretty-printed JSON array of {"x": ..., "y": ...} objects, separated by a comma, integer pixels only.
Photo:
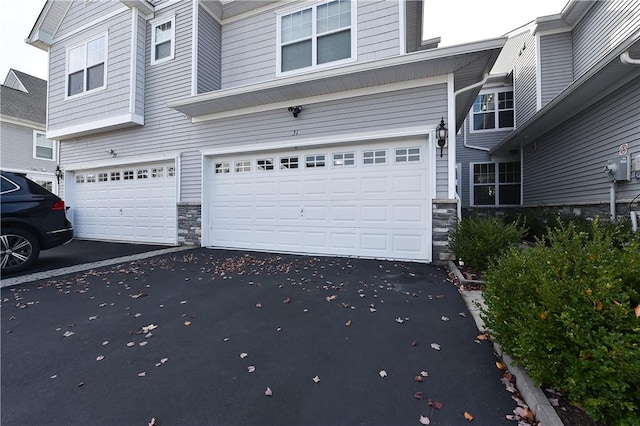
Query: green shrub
[
  {"x": 476, "y": 240},
  {"x": 564, "y": 308}
]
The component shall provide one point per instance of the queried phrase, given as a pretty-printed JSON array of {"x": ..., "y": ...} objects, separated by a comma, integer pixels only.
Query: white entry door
[
  {"x": 126, "y": 203},
  {"x": 352, "y": 200}
]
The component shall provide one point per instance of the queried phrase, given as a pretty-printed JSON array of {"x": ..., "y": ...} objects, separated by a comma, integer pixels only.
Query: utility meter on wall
[{"x": 619, "y": 169}]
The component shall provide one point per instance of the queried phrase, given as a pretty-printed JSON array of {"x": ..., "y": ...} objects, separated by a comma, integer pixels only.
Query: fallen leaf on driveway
[
  {"x": 187, "y": 323},
  {"x": 152, "y": 422},
  {"x": 142, "y": 374},
  {"x": 435, "y": 404},
  {"x": 501, "y": 365},
  {"x": 348, "y": 323},
  {"x": 418, "y": 395},
  {"x": 443, "y": 318},
  {"x": 258, "y": 305},
  {"x": 435, "y": 346},
  {"x": 424, "y": 420},
  {"x": 468, "y": 416},
  {"x": 483, "y": 336},
  {"x": 525, "y": 413},
  {"x": 462, "y": 314},
  {"x": 106, "y": 342},
  {"x": 330, "y": 298},
  {"x": 243, "y": 355},
  {"x": 414, "y": 343},
  {"x": 399, "y": 320},
  {"x": 100, "y": 358},
  {"x": 316, "y": 379},
  {"x": 418, "y": 378},
  {"x": 251, "y": 369},
  {"x": 93, "y": 318},
  {"x": 424, "y": 374},
  {"x": 287, "y": 300},
  {"x": 68, "y": 333},
  {"x": 383, "y": 373},
  {"x": 143, "y": 343},
  {"x": 149, "y": 327},
  {"x": 130, "y": 344},
  {"x": 268, "y": 392}
]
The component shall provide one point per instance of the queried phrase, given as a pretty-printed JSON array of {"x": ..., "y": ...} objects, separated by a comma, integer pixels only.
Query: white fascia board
[
  {"x": 323, "y": 140},
  {"x": 24, "y": 123},
  {"x": 113, "y": 162},
  {"x": 411, "y": 84},
  {"x": 444, "y": 52},
  {"x": 451, "y": 143},
  {"x": 111, "y": 123},
  {"x": 142, "y": 5}
]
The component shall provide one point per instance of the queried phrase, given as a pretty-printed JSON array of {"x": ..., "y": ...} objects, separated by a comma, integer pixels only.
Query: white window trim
[
  {"x": 53, "y": 147},
  {"x": 154, "y": 24},
  {"x": 106, "y": 66},
  {"x": 496, "y": 183},
  {"x": 495, "y": 91},
  {"x": 314, "y": 66}
]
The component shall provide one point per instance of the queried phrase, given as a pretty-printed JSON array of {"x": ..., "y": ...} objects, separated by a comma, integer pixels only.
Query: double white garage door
[
  {"x": 368, "y": 200},
  {"x": 126, "y": 203}
]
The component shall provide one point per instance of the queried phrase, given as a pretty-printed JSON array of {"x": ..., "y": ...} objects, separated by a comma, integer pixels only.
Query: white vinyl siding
[
  {"x": 163, "y": 36},
  {"x": 315, "y": 36},
  {"x": 87, "y": 66}
]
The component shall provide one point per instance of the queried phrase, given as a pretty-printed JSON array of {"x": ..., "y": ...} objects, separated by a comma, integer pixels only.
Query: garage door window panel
[
  {"x": 223, "y": 167},
  {"x": 80, "y": 178},
  {"x": 103, "y": 177},
  {"x": 264, "y": 165},
  {"x": 405, "y": 155},
  {"x": 289, "y": 163},
  {"x": 115, "y": 175},
  {"x": 143, "y": 174},
  {"x": 243, "y": 166},
  {"x": 341, "y": 159},
  {"x": 374, "y": 157},
  {"x": 315, "y": 161},
  {"x": 128, "y": 175},
  {"x": 157, "y": 172}
]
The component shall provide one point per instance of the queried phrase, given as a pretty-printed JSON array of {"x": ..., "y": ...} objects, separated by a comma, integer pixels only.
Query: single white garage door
[
  {"x": 126, "y": 203},
  {"x": 355, "y": 200}
]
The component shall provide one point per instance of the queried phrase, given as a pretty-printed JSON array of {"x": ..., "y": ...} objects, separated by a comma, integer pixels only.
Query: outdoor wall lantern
[
  {"x": 295, "y": 110},
  {"x": 441, "y": 135},
  {"x": 59, "y": 173}
]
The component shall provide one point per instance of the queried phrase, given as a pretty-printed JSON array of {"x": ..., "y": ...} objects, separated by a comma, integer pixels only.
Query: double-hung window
[
  {"x": 43, "y": 148},
  {"x": 315, "y": 36},
  {"x": 163, "y": 35},
  {"x": 496, "y": 184},
  {"x": 86, "y": 66},
  {"x": 493, "y": 110}
]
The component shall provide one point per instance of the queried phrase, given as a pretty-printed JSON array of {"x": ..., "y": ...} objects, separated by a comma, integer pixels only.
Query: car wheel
[{"x": 20, "y": 249}]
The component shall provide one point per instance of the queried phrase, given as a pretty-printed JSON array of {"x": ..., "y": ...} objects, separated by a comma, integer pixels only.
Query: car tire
[{"x": 19, "y": 250}]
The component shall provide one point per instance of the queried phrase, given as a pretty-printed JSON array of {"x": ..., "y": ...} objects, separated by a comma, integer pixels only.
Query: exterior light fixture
[
  {"x": 441, "y": 135},
  {"x": 59, "y": 173},
  {"x": 295, "y": 110}
]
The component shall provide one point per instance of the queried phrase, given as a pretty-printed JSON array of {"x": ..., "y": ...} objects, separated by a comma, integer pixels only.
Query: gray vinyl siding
[
  {"x": 140, "y": 65},
  {"x": 604, "y": 26},
  {"x": 465, "y": 156},
  {"x": 249, "y": 44},
  {"x": 571, "y": 159},
  {"x": 378, "y": 29},
  {"x": 209, "y": 48},
  {"x": 16, "y": 149},
  {"x": 413, "y": 25},
  {"x": 556, "y": 65},
  {"x": 81, "y": 12},
  {"x": 524, "y": 79},
  {"x": 101, "y": 104},
  {"x": 169, "y": 131}
]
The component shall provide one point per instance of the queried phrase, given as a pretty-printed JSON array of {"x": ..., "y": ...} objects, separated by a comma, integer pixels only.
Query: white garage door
[
  {"x": 360, "y": 200},
  {"x": 126, "y": 203}
]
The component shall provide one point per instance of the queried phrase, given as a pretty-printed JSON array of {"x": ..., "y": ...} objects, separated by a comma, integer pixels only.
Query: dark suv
[{"x": 33, "y": 219}]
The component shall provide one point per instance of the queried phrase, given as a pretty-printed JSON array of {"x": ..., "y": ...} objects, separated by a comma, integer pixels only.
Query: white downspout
[
  {"x": 464, "y": 139},
  {"x": 626, "y": 59}
]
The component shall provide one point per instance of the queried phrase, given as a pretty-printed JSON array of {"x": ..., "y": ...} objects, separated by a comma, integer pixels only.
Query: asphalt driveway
[{"x": 197, "y": 337}]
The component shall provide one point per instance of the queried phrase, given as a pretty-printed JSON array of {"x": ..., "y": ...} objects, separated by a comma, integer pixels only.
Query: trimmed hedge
[{"x": 564, "y": 308}]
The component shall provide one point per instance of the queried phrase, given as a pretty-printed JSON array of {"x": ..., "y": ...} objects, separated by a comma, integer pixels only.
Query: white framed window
[
  {"x": 128, "y": 175},
  {"x": 103, "y": 177},
  {"x": 315, "y": 160},
  {"x": 243, "y": 166},
  {"x": 87, "y": 66},
  {"x": 91, "y": 178},
  {"x": 163, "y": 40},
  {"x": 289, "y": 163},
  {"x": 43, "y": 148},
  {"x": 341, "y": 159},
  {"x": 80, "y": 178},
  {"x": 378, "y": 156},
  {"x": 223, "y": 168},
  {"x": 157, "y": 172},
  {"x": 495, "y": 184},
  {"x": 46, "y": 184},
  {"x": 317, "y": 35},
  {"x": 171, "y": 171},
  {"x": 143, "y": 173},
  {"x": 404, "y": 155},
  {"x": 115, "y": 175},
  {"x": 264, "y": 164},
  {"x": 492, "y": 110}
]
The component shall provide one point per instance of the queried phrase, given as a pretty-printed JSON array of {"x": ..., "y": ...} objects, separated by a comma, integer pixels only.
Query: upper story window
[
  {"x": 43, "y": 148},
  {"x": 163, "y": 36},
  {"x": 317, "y": 35},
  {"x": 86, "y": 66},
  {"x": 493, "y": 110},
  {"x": 495, "y": 184}
]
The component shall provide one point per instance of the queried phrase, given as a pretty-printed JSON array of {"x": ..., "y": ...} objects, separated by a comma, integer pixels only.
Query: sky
[{"x": 455, "y": 21}]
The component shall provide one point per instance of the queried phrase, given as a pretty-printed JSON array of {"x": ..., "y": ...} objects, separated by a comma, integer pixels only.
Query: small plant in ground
[
  {"x": 567, "y": 309},
  {"x": 477, "y": 240}
]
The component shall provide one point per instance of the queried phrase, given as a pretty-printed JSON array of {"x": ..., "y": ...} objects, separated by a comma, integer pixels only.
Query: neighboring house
[
  {"x": 562, "y": 103},
  {"x": 304, "y": 127},
  {"x": 24, "y": 145}
]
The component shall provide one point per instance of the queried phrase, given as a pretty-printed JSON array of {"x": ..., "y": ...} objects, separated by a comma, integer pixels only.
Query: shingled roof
[{"x": 28, "y": 105}]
